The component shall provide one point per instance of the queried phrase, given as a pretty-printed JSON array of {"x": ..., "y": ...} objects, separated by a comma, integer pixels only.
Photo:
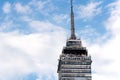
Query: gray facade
[{"x": 74, "y": 62}]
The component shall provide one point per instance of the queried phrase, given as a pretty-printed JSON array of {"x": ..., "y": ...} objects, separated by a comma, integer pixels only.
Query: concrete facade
[{"x": 74, "y": 62}]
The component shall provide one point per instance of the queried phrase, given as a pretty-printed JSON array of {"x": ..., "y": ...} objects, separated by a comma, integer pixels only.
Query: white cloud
[
  {"x": 88, "y": 33},
  {"x": 113, "y": 24},
  {"x": 22, "y": 9},
  {"x": 39, "y": 4},
  {"x": 106, "y": 57},
  {"x": 6, "y": 25},
  {"x": 37, "y": 53},
  {"x": 61, "y": 18},
  {"x": 44, "y": 7},
  {"x": 6, "y": 7},
  {"x": 44, "y": 26},
  {"x": 25, "y": 18},
  {"x": 90, "y": 10}
]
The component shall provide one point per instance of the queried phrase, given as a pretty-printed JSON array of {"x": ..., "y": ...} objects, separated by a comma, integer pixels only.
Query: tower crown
[
  {"x": 73, "y": 36},
  {"x": 74, "y": 62},
  {"x": 74, "y": 45}
]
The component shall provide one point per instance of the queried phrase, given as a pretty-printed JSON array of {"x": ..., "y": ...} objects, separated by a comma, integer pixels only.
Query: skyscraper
[{"x": 74, "y": 62}]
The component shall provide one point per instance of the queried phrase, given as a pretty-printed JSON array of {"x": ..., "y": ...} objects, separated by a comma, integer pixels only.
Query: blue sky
[{"x": 33, "y": 33}]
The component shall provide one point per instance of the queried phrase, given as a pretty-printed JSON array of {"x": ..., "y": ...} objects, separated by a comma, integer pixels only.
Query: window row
[
  {"x": 75, "y": 75},
  {"x": 76, "y": 58},
  {"x": 76, "y": 66},
  {"x": 75, "y": 63},
  {"x": 76, "y": 71}
]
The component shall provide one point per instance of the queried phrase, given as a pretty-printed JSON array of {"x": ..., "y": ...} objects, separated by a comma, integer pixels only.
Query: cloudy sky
[{"x": 33, "y": 33}]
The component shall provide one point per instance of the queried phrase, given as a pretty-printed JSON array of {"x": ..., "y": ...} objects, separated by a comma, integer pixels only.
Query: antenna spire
[{"x": 72, "y": 22}]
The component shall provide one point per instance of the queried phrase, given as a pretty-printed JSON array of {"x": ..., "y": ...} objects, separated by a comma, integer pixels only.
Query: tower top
[{"x": 73, "y": 36}]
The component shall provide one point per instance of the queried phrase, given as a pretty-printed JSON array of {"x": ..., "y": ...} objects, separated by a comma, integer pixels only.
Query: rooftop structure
[{"x": 74, "y": 62}]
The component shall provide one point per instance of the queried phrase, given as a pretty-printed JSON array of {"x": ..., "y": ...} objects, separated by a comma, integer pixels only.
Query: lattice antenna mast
[{"x": 72, "y": 22}]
